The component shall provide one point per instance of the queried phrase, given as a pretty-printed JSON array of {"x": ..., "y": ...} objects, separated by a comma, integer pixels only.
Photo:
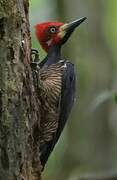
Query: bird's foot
[
  {"x": 35, "y": 67},
  {"x": 35, "y": 60}
]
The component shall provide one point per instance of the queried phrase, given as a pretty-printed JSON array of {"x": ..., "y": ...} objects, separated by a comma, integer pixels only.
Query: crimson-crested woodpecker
[{"x": 57, "y": 83}]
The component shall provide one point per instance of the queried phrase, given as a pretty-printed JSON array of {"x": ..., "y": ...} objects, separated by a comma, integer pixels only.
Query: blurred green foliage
[{"x": 88, "y": 143}]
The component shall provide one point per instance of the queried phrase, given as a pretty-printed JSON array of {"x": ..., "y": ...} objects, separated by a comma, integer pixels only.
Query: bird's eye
[{"x": 52, "y": 29}]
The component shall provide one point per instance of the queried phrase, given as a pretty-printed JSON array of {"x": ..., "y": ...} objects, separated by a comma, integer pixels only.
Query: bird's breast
[{"x": 50, "y": 95}]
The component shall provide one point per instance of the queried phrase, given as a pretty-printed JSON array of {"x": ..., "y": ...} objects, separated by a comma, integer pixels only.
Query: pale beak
[
  {"x": 66, "y": 29},
  {"x": 72, "y": 25}
]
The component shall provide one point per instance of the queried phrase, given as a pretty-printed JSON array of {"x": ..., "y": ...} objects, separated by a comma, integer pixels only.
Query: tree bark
[{"x": 19, "y": 105}]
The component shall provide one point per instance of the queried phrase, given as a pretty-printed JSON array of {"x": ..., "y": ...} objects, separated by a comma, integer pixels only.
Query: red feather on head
[{"x": 45, "y": 36}]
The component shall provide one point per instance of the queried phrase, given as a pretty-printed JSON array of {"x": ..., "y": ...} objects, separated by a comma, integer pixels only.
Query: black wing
[{"x": 66, "y": 102}]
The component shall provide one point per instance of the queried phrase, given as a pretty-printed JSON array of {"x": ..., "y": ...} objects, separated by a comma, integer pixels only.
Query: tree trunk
[{"x": 19, "y": 105}]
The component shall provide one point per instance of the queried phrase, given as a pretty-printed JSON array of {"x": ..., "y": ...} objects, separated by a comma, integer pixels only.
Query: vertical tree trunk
[{"x": 19, "y": 107}]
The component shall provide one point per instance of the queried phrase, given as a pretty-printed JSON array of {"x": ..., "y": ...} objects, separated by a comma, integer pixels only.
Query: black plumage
[
  {"x": 57, "y": 91},
  {"x": 57, "y": 86},
  {"x": 57, "y": 96}
]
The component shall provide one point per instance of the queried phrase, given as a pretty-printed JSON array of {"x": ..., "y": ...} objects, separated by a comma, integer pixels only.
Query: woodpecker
[{"x": 57, "y": 83}]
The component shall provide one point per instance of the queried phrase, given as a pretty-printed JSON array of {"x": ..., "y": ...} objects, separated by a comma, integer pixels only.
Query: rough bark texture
[{"x": 19, "y": 107}]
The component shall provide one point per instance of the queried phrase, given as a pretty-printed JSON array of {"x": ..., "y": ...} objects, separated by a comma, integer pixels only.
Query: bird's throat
[{"x": 54, "y": 55}]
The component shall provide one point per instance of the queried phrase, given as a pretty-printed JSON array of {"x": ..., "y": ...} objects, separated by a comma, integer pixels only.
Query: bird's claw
[
  {"x": 35, "y": 67},
  {"x": 34, "y": 59},
  {"x": 34, "y": 55}
]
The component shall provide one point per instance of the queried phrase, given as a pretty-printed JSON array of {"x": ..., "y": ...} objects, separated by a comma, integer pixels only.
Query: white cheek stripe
[{"x": 49, "y": 42}]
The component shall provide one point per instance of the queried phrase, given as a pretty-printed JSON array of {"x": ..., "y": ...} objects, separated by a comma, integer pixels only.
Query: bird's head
[{"x": 53, "y": 33}]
